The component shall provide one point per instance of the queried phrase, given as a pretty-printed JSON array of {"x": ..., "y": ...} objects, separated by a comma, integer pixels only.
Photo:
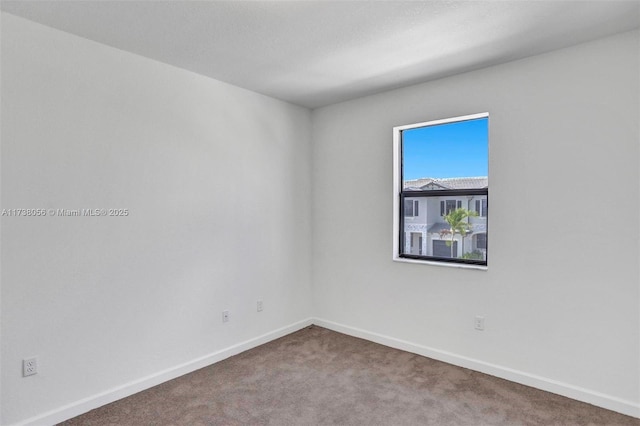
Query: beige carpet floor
[{"x": 319, "y": 377}]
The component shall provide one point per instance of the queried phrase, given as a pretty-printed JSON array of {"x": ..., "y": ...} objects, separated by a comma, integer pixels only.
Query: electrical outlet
[
  {"x": 225, "y": 316},
  {"x": 29, "y": 366},
  {"x": 479, "y": 323},
  {"x": 259, "y": 305}
]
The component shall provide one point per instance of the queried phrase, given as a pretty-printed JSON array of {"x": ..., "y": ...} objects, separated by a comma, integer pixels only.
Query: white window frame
[{"x": 397, "y": 188}]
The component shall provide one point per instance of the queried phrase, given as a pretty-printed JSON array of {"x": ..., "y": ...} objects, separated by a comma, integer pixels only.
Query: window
[
  {"x": 481, "y": 207},
  {"x": 448, "y": 206},
  {"x": 411, "y": 208},
  {"x": 481, "y": 241},
  {"x": 441, "y": 190}
]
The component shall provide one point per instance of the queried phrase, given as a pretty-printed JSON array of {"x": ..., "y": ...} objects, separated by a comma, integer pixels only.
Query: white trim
[
  {"x": 442, "y": 121},
  {"x": 397, "y": 187},
  {"x": 87, "y": 404},
  {"x": 84, "y": 405},
  {"x": 609, "y": 402}
]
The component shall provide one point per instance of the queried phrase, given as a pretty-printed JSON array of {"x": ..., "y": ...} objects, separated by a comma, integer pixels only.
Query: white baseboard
[
  {"x": 609, "y": 402},
  {"x": 629, "y": 408},
  {"x": 87, "y": 404}
]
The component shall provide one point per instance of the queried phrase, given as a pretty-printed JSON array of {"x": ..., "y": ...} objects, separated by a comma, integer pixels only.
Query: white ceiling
[{"x": 315, "y": 53}]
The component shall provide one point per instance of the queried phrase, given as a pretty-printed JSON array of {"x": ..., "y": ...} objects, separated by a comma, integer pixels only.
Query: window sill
[{"x": 446, "y": 264}]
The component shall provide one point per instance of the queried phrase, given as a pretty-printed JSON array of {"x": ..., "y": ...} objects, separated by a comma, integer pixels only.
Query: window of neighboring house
[
  {"x": 481, "y": 241},
  {"x": 448, "y": 206},
  {"x": 411, "y": 208},
  {"x": 444, "y": 163},
  {"x": 481, "y": 207}
]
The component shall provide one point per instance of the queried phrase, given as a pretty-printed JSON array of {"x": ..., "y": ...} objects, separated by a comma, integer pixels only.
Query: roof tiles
[{"x": 479, "y": 182}]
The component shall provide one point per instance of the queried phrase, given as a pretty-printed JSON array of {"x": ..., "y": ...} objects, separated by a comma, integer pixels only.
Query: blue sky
[{"x": 447, "y": 150}]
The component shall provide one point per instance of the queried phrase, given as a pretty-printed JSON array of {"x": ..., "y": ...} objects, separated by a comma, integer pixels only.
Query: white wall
[
  {"x": 217, "y": 182},
  {"x": 561, "y": 293}
]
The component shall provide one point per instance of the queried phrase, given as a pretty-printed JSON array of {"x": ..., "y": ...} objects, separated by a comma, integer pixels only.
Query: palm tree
[{"x": 459, "y": 224}]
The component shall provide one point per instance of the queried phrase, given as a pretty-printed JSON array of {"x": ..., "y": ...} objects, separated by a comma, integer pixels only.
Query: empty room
[{"x": 278, "y": 212}]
